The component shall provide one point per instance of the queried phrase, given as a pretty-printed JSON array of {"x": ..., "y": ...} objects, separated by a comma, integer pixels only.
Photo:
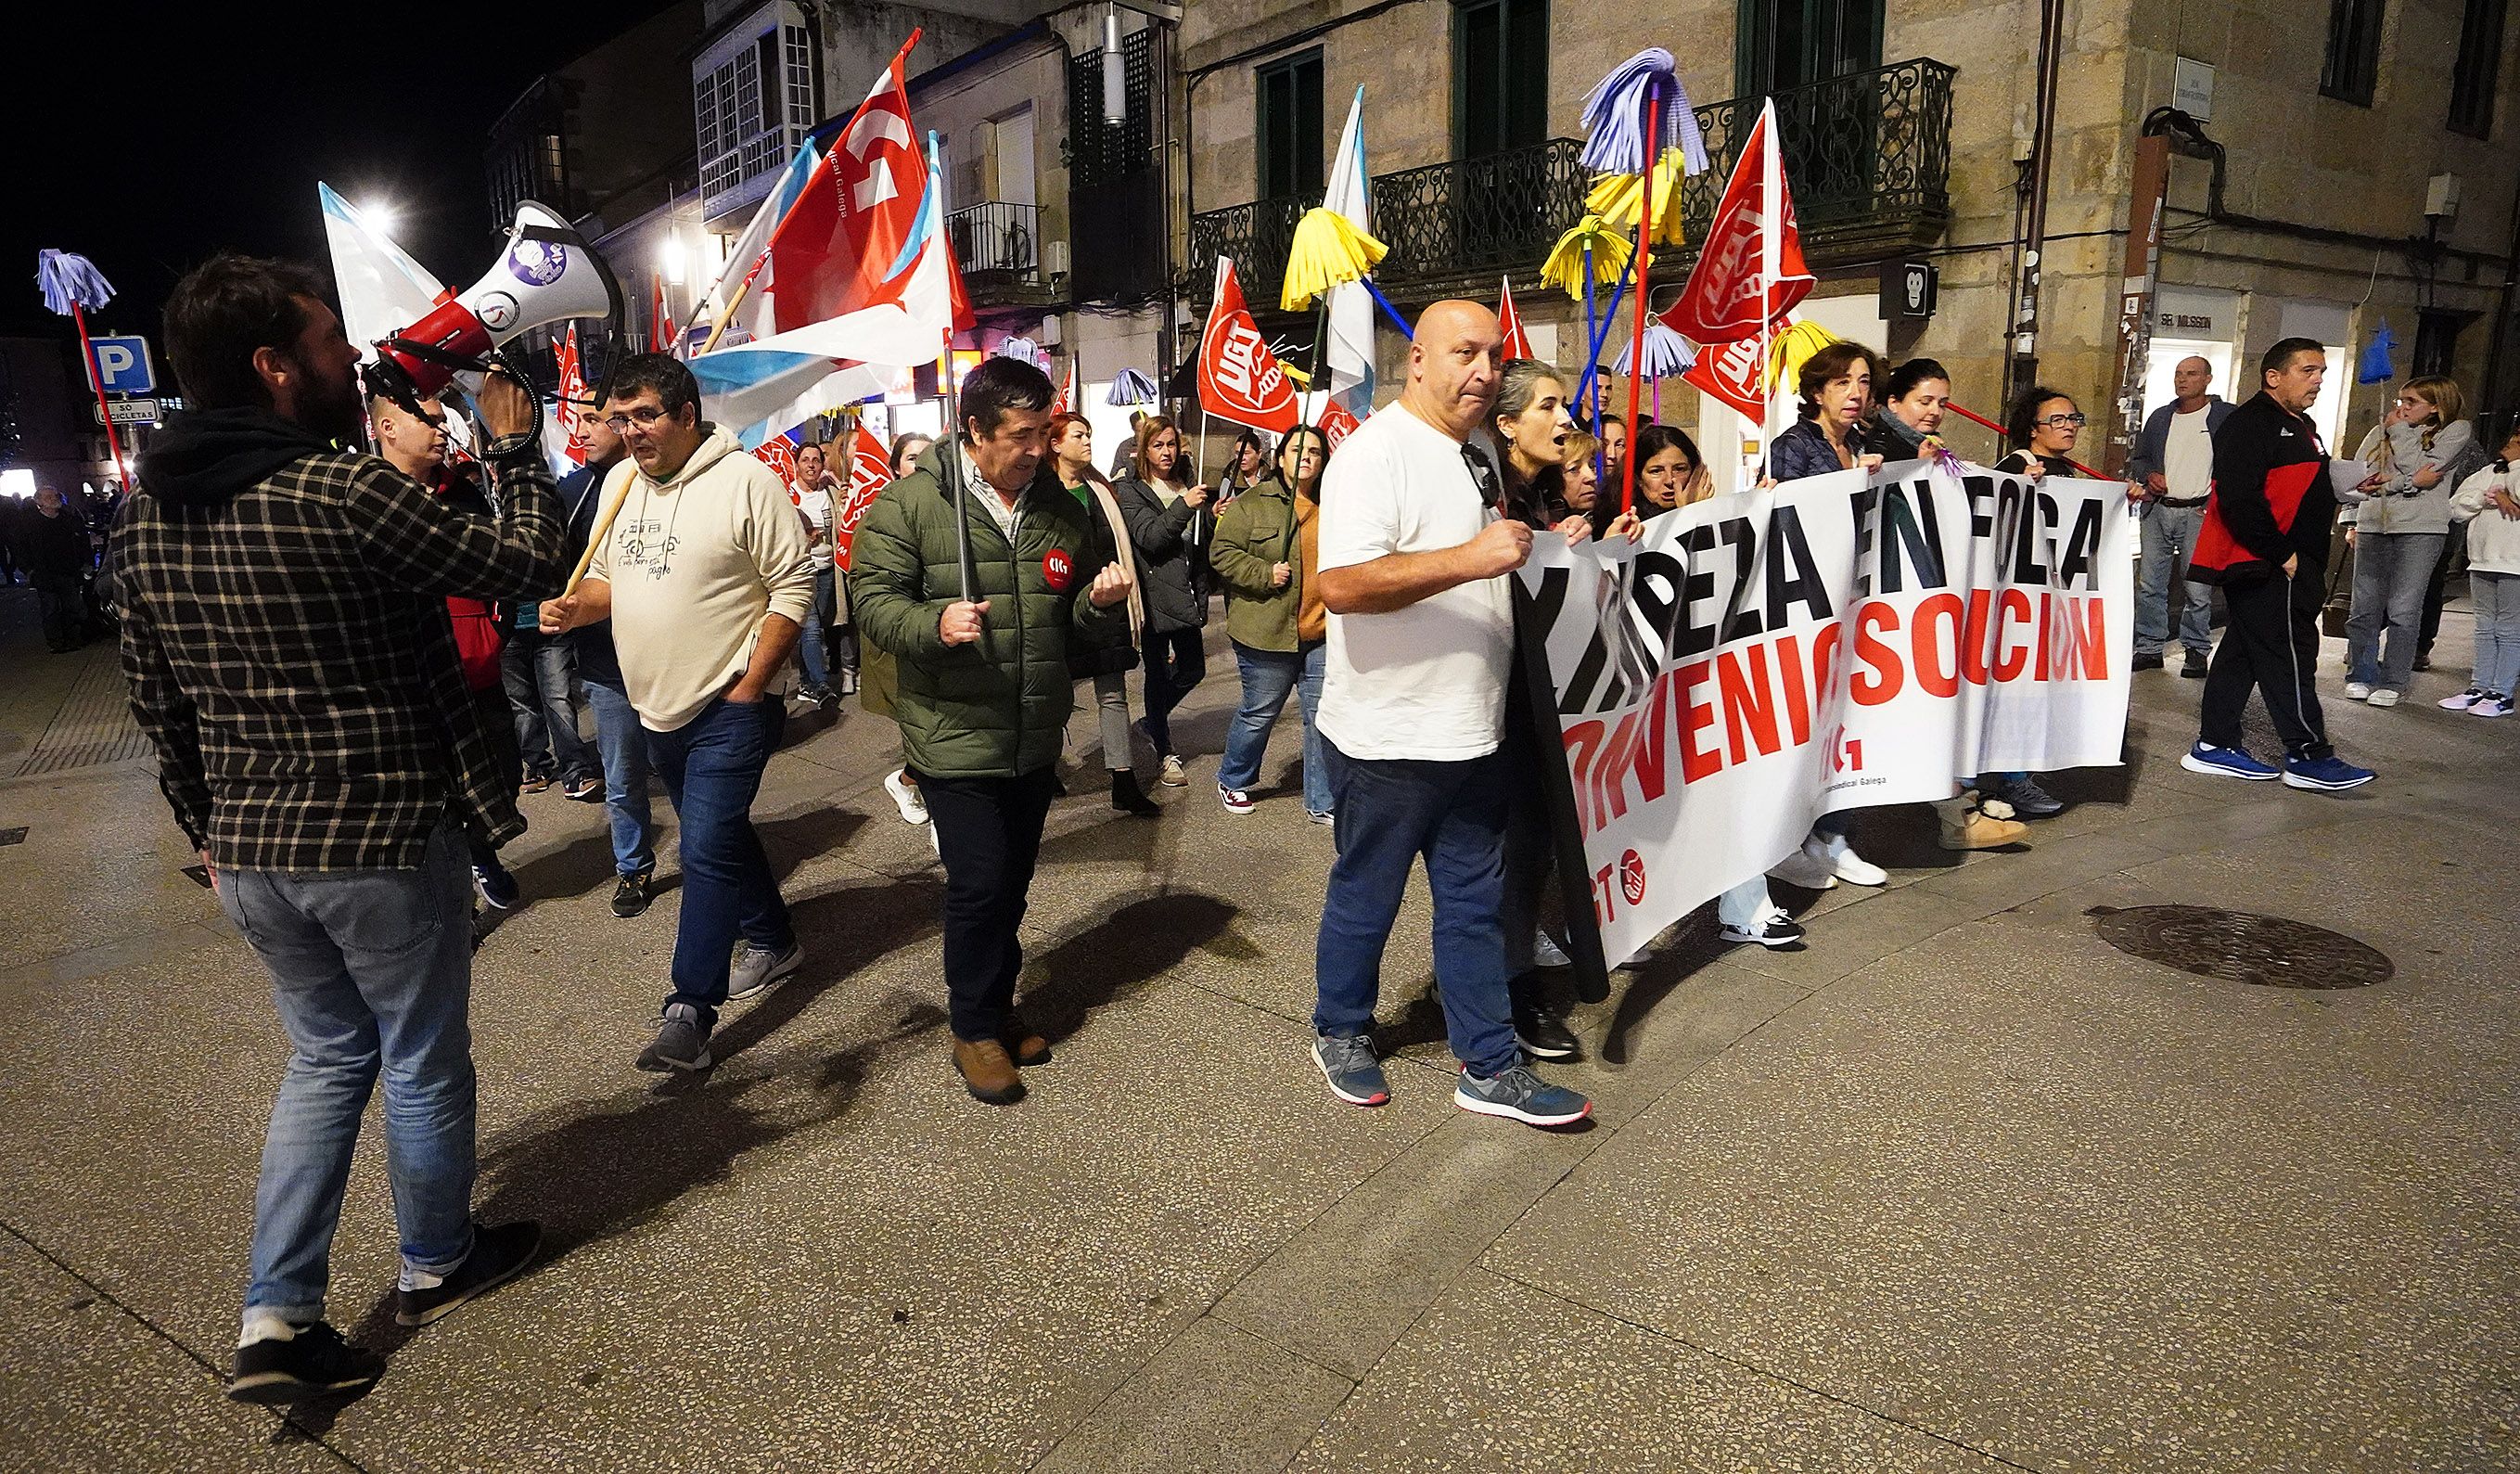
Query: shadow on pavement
[
  {"x": 807, "y": 834},
  {"x": 1115, "y": 956},
  {"x": 1690, "y": 945}
]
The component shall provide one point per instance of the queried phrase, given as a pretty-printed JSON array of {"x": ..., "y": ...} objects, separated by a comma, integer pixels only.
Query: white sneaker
[
  {"x": 2464, "y": 700},
  {"x": 1545, "y": 953},
  {"x": 1854, "y": 869},
  {"x": 1810, "y": 867},
  {"x": 2356, "y": 690},
  {"x": 2490, "y": 705},
  {"x": 905, "y": 797},
  {"x": 2383, "y": 697},
  {"x": 1174, "y": 776}
]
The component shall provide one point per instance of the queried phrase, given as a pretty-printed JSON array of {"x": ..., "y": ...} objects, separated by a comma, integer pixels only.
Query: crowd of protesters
[{"x": 421, "y": 614}]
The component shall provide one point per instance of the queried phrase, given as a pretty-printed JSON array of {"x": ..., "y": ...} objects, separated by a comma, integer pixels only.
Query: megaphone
[{"x": 546, "y": 274}]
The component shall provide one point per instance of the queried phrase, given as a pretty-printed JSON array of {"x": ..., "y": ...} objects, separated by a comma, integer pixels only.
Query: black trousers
[
  {"x": 2271, "y": 645},
  {"x": 1176, "y": 661},
  {"x": 59, "y": 602},
  {"x": 988, "y": 829}
]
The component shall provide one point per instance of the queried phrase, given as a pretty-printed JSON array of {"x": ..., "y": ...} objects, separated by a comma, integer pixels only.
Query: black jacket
[
  {"x": 53, "y": 549},
  {"x": 1172, "y": 555},
  {"x": 2271, "y": 499}
]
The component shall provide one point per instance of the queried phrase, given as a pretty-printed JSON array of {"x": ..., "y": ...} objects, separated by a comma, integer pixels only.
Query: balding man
[
  {"x": 1415, "y": 563},
  {"x": 2169, "y": 472}
]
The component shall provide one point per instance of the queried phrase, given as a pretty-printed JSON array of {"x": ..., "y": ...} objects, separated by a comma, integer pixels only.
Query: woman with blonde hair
[
  {"x": 1170, "y": 528},
  {"x": 2421, "y": 450}
]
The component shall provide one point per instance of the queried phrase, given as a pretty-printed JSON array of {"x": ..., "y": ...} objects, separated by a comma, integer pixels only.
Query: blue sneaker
[
  {"x": 2325, "y": 775},
  {"x": 2226, "y": 762},
  {"x": 497, "y": 888},
  {"x": 1348, "y": 1063},
  {"x": 1518, "y": 1095}
]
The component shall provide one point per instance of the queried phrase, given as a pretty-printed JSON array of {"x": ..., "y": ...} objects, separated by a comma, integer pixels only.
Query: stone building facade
[{"x": 1909, "y": 127}]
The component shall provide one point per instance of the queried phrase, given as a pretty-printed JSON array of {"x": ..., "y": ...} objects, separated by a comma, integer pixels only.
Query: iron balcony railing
[
  {"x": 997, "y": 239},
  {"x": 1868, "y": 156}
]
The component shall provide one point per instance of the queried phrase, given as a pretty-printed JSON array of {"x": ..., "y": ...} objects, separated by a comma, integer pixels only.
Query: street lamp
[{"x": 670, "y": 258}]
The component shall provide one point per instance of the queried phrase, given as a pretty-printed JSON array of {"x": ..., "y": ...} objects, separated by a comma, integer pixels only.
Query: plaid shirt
[{"x": 289, "y": 656}]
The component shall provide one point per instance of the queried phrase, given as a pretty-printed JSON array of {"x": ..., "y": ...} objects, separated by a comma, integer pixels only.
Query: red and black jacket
[{"x": 2271, "y": 499}]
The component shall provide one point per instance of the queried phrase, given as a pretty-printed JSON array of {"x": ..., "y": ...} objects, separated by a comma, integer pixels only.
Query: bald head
[
  {"x": 2191, "y": 379},
  {"x": 1454, "y": 364}
]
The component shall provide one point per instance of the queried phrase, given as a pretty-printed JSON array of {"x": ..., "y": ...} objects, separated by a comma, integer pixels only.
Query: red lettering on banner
[
  {"x": 1610, "y": 773},
  {"x": 1789, "y": 674},
  {"x": 1825, "y": 654},
  {"x": 1694, "y": 717},
  {"x": 1651, "y": 746},
  {"x": 1601, "y": 895},
  {"x": 1582, "y": 742},
  {"x": 1937, "y": 655},
  {"x": 1877, "y": 677},
  {"x": 1976, "y": 638},
  {"x": 2091, "y": 636},
  {"x": 2015, "y": 612},
  {"x": 1749, "y": 703},
  {"x": 2047, "y": 638}
]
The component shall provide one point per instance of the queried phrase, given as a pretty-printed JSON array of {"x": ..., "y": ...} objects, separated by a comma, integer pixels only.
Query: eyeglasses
[
  {"x": 645, "y": 415},
  {"x": 1484, "y": 474},
  {"x": 2059, "y": 422}
]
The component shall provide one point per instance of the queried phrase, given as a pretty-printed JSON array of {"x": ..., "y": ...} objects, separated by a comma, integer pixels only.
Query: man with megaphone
[
  {"x": 287, "y": 643},
  {"x": 701, "y": 562}
]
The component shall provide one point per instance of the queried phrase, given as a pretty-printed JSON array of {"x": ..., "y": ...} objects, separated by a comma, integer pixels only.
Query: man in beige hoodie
[{"x": 706, "y": 576}]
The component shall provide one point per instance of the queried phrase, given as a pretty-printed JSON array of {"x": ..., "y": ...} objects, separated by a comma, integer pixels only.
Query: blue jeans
[
  {"x": 2496, "y": 596},
  {"x": 540, "y": 674},
  {"x": 624, "y": 745},
  {"x": 1391, "y": 813},
  {"x": 713, "y": 765},
  {"x": 1267, "y": 677},
  {"x": 2169, "y": 538},
  {"x": 372, "y": 974},
  {"x": 2393, "y": 572},
  {"x": 813, "y": 649}
]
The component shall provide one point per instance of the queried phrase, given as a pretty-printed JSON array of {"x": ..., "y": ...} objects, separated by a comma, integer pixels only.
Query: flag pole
[
  {"x": 1645, "y": 244},
  {"x": 1771, "y": 261},
  {"x": 1599, "y": 465},
  {"x": 96, "y": 378}
]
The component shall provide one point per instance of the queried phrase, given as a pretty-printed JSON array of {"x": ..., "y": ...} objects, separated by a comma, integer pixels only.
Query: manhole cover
[{"x": 2241, "y": 946}]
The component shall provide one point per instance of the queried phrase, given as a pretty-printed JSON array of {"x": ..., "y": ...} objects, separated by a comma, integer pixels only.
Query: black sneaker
[
  {"x": 2028, "y": 799},
  {"x": 311, "y": 1363},
  {"x": 1543, "y": 1036},
  {"x": 681, "y": 1043},
  {"x": 2195, "y": 667},
  {"x": 585, "y": 790},
  {"x": 2147, "y": 660},
  {"x": 630, "y": 897},
  {"x": 498, "y": 1256}
]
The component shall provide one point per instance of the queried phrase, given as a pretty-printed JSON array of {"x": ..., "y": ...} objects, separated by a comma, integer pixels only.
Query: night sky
[{"x": 147, "y": 137}]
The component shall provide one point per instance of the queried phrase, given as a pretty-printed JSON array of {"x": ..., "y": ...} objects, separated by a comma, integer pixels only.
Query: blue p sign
[{"x": 123, "y": 366}]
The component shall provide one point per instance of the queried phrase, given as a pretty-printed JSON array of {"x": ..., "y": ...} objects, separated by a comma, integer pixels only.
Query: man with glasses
[
  {"x": 1414, "y": 565},
  {"x": 705, "y": 576},
  {"x": 2168, "y": 477}
]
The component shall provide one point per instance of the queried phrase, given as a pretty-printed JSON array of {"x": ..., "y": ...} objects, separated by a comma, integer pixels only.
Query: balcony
[
  {"x": 1868, "y": 156},
  {"x": 998, "y": 247}
]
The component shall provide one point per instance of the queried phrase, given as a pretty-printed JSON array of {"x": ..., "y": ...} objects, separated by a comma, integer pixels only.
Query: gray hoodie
[{"x": 2399, "y": 505}]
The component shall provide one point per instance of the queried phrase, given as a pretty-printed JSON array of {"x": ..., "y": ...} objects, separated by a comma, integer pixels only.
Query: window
[
  {"x": 1499, "y": 75},
  {"x": 2353, "y": 51},
  {"x": 1782, "y": 44},
  {"x": 2437, "y": 331},
  {"x": 2471, "y": 77},
  {"x": 753, "y": 101},
  {"x": 1290, "y": 128}
]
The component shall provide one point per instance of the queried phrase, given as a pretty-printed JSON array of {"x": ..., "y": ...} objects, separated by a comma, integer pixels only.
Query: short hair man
[
  {"x": 2168, "y": 475},
  {"x": 704, "y": 575},
  {"x": 1415, "y": 559},
  {"x": 58, "y": 555},
  {"x": 618, "y": 737},
  {"x": 984, "y": 691},
  {"x": 287, "y": 645},
  {"x": 2265, "y": 540}
]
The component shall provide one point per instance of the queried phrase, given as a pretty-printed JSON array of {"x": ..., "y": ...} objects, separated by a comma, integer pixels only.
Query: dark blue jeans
[
  {"x": 540, "y": 674},
  {"x": 624, "y": 745},
  {"x": 1269, "y": 677},
  {"x": 713, "y": 765},
  {"x": 1389, "y": 814}
]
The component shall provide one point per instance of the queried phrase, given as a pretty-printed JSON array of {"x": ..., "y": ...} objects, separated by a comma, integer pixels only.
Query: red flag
[
  {"x": 572, "y": 409},
  {"x": 1730, "y": 373},
  {"x": 1337, "y": 423},
  {"x": 1517, "y": 344},
  {"x": 1722, "y": 301},
  {"x": 1238, "y": 378},
  {"x": 1066, "y": 391},
  {"x": 870, "y": 471},
  {"x": 780, "y": 457},
  {"x": 838, "y": 248},
  {"x": 663, "y": 336}
]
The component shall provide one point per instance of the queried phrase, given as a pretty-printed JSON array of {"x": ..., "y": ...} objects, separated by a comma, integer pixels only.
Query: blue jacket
[{"x": 2151, "y": 447}]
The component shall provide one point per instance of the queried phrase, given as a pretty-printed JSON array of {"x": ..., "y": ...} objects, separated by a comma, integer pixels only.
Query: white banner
[{"x": 1759, "y": 660}]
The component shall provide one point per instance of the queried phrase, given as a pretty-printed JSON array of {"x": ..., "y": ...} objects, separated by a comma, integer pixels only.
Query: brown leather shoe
[
  {"x": 987, "y": 1073},
  {"x": 1028, "y": 1048}
]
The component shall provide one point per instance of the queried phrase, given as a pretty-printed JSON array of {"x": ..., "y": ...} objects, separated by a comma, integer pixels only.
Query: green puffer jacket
[
  {"x": 998, "y": 707},
  {"x": 1256, "y": 533}
]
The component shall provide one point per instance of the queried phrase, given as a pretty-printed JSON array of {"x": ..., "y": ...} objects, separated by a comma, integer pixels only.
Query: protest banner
[{"x": 1835, "y": 643}]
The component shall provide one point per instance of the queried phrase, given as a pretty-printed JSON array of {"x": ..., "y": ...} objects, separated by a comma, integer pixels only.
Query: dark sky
[{"x": 146, "y": 136}]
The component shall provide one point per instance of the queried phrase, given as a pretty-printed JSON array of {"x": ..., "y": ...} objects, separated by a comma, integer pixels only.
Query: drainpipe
[{"x": 2021, "y": 367}]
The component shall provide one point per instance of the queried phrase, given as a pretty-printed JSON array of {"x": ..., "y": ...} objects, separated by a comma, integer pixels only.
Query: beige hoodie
[{"x": 694, "y": 563}]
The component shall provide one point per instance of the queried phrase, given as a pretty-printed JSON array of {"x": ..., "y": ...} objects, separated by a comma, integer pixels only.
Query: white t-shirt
[
  {"x": 2187, "y": 455},
  {"x": 1427, "y": 682},
  {"x": 816, "y": 503}
]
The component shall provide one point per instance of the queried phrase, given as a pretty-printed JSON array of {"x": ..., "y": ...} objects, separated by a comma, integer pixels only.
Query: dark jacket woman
[
  {"x": 1803, "y": 450},
  {"x": 1172, "y": 556}
]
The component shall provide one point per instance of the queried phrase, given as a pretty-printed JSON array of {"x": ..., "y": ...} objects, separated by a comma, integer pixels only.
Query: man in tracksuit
[{"x": 2265, "y": 541}]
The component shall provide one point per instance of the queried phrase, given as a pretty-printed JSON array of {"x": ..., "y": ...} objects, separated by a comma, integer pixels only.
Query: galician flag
[
  {"x": 739, "y": 288},
  {"x": 1351, "y": 324}
]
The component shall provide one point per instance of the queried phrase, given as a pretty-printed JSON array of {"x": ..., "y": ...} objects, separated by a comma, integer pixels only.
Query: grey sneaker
[
  {"x": 681, "y": 1042},
  {"x": 1348, "y": 1062},
  {"x": 758, "y": 969},
  {"x": 1518, "y": 1095}
]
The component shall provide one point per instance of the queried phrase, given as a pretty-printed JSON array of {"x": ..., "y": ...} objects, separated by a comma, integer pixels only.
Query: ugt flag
[
  {"x": 870, "y": 471},
  {"x": 1750, "y": 270},
  {"x": 1238, "y": 378}
]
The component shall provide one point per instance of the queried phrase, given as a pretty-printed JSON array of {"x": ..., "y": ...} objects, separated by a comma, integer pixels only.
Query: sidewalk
[{"x": 1958, "y": 1188}]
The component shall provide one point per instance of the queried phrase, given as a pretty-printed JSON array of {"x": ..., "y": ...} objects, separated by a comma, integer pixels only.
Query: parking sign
[{"x": 123, "y": 363}]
